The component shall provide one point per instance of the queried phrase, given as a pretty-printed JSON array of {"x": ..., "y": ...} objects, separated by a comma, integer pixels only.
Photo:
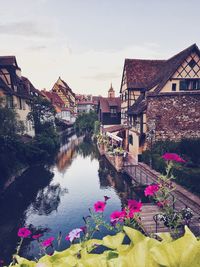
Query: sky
[{"x": 86, "y": 41}]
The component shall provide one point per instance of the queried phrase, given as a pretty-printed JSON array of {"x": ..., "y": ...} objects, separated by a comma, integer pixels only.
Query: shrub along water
[
  {"x": 190, "y": 149},
  {"x": 14, "y": 153}
]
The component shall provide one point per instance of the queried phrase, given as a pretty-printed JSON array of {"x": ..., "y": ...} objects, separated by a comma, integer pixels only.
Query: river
[{"x": 54, "y": 199}]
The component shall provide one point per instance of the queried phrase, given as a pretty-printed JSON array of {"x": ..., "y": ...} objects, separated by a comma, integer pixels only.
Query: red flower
[
  {"x": 24, "y": 232},
  {"x": 134, "y": 205},
  {"x": 36, "y": 236},
  {"x": 151, "y": 189},
  {"x": 99, "y": 206},
  {"x": 48, "y": 242},
  {"x": 117, "y": 216},
  {"x": 173, "y": 157}
]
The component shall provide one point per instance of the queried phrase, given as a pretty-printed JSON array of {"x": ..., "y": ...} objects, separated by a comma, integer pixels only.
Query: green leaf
[
  {"x": 139, "y": 255},
  {"x": 113, "y": 242},
  {"x": 24, "y": 262},
  {"x": 166, "y": 237},
  {"x": 182, "y": 252},
  {"x": 134, "y": 235}
]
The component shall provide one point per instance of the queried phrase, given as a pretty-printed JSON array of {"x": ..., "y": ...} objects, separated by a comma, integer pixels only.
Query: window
[
  {"x": 23, "y": 104},
  {"x": 173, "y": 86},
  {"x": 130, "y": 139},
  {"x": 192, "y": 63},
  {"x": 190, "y": 84},
  {"x": 113, "y": 111},
  {"x": 19, "y": 103},
  {"x": 9, "y": 101}
]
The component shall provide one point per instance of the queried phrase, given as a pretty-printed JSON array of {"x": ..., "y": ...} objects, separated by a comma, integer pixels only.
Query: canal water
[{"x": 54, "y": 199}]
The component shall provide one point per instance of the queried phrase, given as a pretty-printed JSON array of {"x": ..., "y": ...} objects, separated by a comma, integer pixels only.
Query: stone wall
[{"x": 174, "y": 115}]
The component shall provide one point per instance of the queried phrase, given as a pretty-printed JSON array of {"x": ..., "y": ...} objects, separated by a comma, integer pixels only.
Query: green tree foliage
[
  {"x": 42, "y": 113},
  {"x": 85, "y": 122}
]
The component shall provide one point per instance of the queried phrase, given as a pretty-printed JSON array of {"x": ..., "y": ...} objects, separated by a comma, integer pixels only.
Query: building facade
[
  {"x": 161, "y": 99},
  {"x": 109, "y": 109},
  {"x": 16, "y": 91},
  {"x": 62, "y": 89}
]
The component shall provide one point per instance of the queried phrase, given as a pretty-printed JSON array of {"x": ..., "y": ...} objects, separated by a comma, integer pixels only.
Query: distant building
[
  {"x": 161, "y": 99},
  {"x": 16, "y": 90},
  {"x": 62, "y": 112},
  {"x": 62, "y": 89},
  {"x": 109, "y": 109},
  {"x": 86, "y": 103}
]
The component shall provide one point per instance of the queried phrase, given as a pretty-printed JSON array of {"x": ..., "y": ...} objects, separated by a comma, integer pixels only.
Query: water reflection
[
  {"x": 14, "y": 203},
  {"x": 123, "y": 185},
  {"x": 53, "y": 200},
  {"x": 48, "y": 199}
]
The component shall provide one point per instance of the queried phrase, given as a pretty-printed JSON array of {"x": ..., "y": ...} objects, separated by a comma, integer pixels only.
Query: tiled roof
[
  {"x": 142, "y": 73},
  {"x": 85, "y": 103},
  {"x": 53, "y": 97},
  {"x": 145, "y": 74},
  {"x": 114, "y": 128},
  {"x": 139, "y": 106},
  {"x": 67, "y": 87},
  {"x": 106, "y": 102},
  {"x": 8, "y": 60},
  {"x": 159, "y": 73}
]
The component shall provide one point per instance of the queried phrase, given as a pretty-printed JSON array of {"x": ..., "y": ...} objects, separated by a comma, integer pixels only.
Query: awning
[{"x": 115, "y": 137}]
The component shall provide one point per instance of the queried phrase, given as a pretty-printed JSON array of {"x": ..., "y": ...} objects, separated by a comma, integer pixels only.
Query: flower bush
[
  {"x": 142, "y": 251},
  {"x": 162, "y": 195}
]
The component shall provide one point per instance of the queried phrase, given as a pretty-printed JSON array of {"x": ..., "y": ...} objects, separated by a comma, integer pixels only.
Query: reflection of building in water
[
  {"x": 121, "y": 183},
  {"x": 67, "y": 152}
]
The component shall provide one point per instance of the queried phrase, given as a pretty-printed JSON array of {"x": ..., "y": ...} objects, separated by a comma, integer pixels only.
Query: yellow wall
[
  {"x": 134, "y": 149},
  {"x": 168, "y": 86}
]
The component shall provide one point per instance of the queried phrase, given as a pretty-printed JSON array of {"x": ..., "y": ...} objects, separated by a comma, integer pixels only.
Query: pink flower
[
  {"x": 36, "y": 236},
  {"x": 99, "y": 206},
  {"x": 173, "y": 157},
  {"x": 117, "y": 216},
  {"x": 161, "y": 204},
  {"x": 48, "y": 242},
  {"x": 24, "y": 232},
  {"x": 74, "y": 234},
  {"x": 106, "y": 198},
  {"x": 151, "y": 189},
  {"x": 134, "y": 205},
  {"x": 130, "y": 213}
]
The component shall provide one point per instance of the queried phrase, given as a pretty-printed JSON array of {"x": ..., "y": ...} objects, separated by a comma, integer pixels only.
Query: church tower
[{"x": 111, "y": 92}]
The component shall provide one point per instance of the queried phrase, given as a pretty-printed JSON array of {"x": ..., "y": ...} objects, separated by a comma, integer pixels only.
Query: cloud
[
  {"x": 37, "y": 47},
  {"x": 25, "y": 28},
  {"x": 103, "y": 76}
]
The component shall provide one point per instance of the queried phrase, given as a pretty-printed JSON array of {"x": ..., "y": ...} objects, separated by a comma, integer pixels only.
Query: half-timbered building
[
  {"x": 109, "y": 109},
  {"x": 16, "y": 90},
  {"x": 62, "y": 89},
  {"x": 161, "y": 99}
]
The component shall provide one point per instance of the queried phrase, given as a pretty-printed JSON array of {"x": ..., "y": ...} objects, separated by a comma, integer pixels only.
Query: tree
[
  {"x": 10, "y": 124},
  {"x": 42, "y": 114},
  {"x": 85, "y": 122}
]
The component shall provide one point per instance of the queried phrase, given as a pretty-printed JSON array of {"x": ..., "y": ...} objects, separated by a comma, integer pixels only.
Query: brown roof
[
  {"x": 139, "y": 106},
  {"x": 145, "y": 74},
  {"x": 142, "y": 73},
  {"x": 54, "y": 98},
  {"x": 67, "y": 87},
  {"x": 114, "y": 128},
  {"x": 159, "y": 73},
  {"x": 8, "y": 60},
  {"x": 106, "y": 102}
]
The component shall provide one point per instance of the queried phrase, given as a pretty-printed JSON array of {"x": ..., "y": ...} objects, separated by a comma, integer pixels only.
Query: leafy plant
[{"x": 142, "y": 251}]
